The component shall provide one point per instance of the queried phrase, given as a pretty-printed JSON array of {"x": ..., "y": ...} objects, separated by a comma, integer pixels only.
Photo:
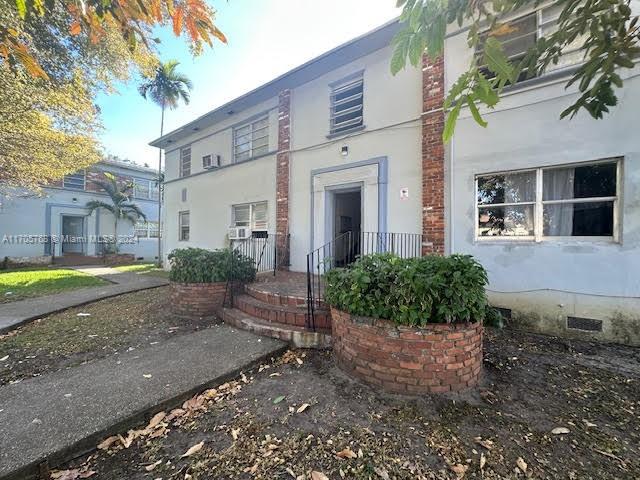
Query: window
[
  {"x": 145, "y": 189},
  {"x": 251, "y": 140},
  {"x": 522, "y": 33},
  {"x": 75, "y": 181},
  {"x": 146, "y": 229},
  {"x": 347, "y": 106},
  {"x": 185, "y": 161},
  {"x": 142, "y": 229},
  {"x": 252, "y": 215},
  {"x": 569, "y": 201},
  {"x": 183, "y": 226},
  {"x": 141, "y": 188},
  {"x": 154, "y": 230},
  {"x": 210, "y": 161}
]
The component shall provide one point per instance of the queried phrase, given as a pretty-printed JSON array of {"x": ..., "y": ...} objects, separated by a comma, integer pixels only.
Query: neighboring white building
[
  {"x": 549, "y": 207},
  {"x": 27, "y": 221}
]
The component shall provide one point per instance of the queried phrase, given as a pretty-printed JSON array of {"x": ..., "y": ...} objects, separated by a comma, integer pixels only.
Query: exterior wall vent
[
  {"x": 585, "y": 324},
  {"x": 184, "y": 194}
]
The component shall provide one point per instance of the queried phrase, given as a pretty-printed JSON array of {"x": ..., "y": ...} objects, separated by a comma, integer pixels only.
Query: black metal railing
[
  {"x": 269, "y": 252},
  {"x": 345, "y": 249}
]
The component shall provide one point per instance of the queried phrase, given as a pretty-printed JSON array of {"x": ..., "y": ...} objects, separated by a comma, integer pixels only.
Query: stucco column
[
  {"x": 433, "y": 214},
  {"x": 282, "y": 177}
]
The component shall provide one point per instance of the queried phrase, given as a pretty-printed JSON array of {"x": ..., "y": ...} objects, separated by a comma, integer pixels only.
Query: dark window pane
[
  {"x": 507, "y": 188},
  {"x": 512, "y": 221},
  {"x": 579, "y": 219},
  {"x": 580, "y": 182}
]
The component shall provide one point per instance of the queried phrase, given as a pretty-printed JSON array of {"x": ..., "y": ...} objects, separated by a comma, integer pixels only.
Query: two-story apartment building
[
  {"x": 549, "y": 207},
  {"x": 28, "y": 222}
]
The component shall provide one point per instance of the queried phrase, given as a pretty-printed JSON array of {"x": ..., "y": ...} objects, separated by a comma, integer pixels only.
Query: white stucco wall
[
  {"x": 210, "y": 197},
  {"x": 392, "y": 108},
  {"x": 217, "y": 139},
  {"x": 546, "y": 281}
]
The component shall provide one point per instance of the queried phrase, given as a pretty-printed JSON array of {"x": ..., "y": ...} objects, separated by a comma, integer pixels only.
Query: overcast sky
[{"x": 266, "y": 38}]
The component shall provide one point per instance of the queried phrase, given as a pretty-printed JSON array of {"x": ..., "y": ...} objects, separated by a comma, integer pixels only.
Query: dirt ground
[
  {"x": 546, "y": 408},
  {"x": 85, "y": 333}
]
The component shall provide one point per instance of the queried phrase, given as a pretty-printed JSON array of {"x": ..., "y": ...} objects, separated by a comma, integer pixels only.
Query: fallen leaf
[
  {"x": 159, "y": 432},
  {"x": 278, "y": 399},
  {"x": 483, "y": 461},
  {"x": 71, "y": 474},
  {"x": 300, "y": 362},
  {"x": 522, "y": 465},
  {"x": 346, "y": 453},
  {"x": 318, "y": 476},
  {"x": 4, "y": 358},
  {"x": 147, "y": 375},
  {"x": 107, "y": 442},
  {"x": 155, "y": 421},
  {"x": 488, "y": 444},
  {"x": 589, "y": 424},
  {"x": 459, "y": 469},
  {"x": 148, "y": 468},
  {"x": 560, "y": 431},
  {"x": 382, "y": 473},
  {"x": 276, "y": 374},
  {"x": 234, "y": 433},
  {"x": 195, "y": 449},
  {"x": 302, "y": 407},
  {"x": 126, "y": 442}
]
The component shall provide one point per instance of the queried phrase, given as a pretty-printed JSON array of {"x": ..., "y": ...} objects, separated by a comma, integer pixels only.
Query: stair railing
[{"x": 345, "y": 249}]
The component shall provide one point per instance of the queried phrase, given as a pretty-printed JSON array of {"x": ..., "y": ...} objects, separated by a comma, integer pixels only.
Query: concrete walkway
[
  {"x": 64, "y": 413},
  {"x": 14, "y": 314}
]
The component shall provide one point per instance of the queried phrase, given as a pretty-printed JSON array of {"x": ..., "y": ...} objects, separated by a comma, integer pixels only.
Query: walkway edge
[
  {"x": 89, "y": 443},
  {"x": 26, "y": 320}
]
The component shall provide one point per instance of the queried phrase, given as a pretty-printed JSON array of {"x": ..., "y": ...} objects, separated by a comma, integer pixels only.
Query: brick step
[
  {"x": 298, "y": 337},
  {"x": 282, "y": 314},
  {"x": 254, "y": 290}
]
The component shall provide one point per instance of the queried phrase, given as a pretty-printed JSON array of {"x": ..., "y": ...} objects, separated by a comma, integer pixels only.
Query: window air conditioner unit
[
  {"x": 211, "y": 161},
  {"x": 239, "y": 233}
]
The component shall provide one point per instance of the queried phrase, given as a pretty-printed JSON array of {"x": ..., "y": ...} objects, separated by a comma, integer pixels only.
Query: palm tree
[
  {"x": 121, "y": 206},
  {"x": 165, "y": 88}
]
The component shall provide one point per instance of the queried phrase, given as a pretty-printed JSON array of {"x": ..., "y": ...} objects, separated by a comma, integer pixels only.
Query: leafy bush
[
  {"x": 416, "y": 291},
  {"x": 197, "y": 265}
]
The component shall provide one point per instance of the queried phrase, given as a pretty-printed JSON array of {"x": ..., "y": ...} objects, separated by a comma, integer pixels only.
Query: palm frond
[
  {"x": 133, "y": 209},
  {"x": 95, "y": 204}
]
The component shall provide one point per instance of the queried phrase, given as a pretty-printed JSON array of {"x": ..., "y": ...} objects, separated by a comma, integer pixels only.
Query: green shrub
[
  {"x": 416, "y": 291},
  {"x": 197, "y": 265}
]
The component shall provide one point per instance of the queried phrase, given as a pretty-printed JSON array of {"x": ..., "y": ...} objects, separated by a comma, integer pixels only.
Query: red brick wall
[
  {"x": 432, "y": 156},
  {"x": 196, "y": 299},
  {"x": 432, "y": 359},
  {"x": 282, "y": 174}
]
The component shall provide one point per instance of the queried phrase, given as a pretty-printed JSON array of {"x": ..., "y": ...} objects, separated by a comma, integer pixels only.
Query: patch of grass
[
  {"x": 144, "y": 269},
  {"x": 66, "y": 338},
  {"x": 35, "y": 282}
]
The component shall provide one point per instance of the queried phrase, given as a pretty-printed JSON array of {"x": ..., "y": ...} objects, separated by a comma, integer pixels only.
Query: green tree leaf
[
  {"x": 450, "y": 123},
  {"x": 475, "y": 113}
]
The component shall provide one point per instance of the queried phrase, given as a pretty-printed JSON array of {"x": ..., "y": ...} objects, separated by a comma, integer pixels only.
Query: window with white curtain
[
  {"x": 574, "y": 201},
  {"x": 252, "y": 215}
]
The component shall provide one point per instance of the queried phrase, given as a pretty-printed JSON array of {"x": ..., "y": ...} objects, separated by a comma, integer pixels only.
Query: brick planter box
[
  {"x": 408, "y": 360},
  {"x": 196, "y": 299}
]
